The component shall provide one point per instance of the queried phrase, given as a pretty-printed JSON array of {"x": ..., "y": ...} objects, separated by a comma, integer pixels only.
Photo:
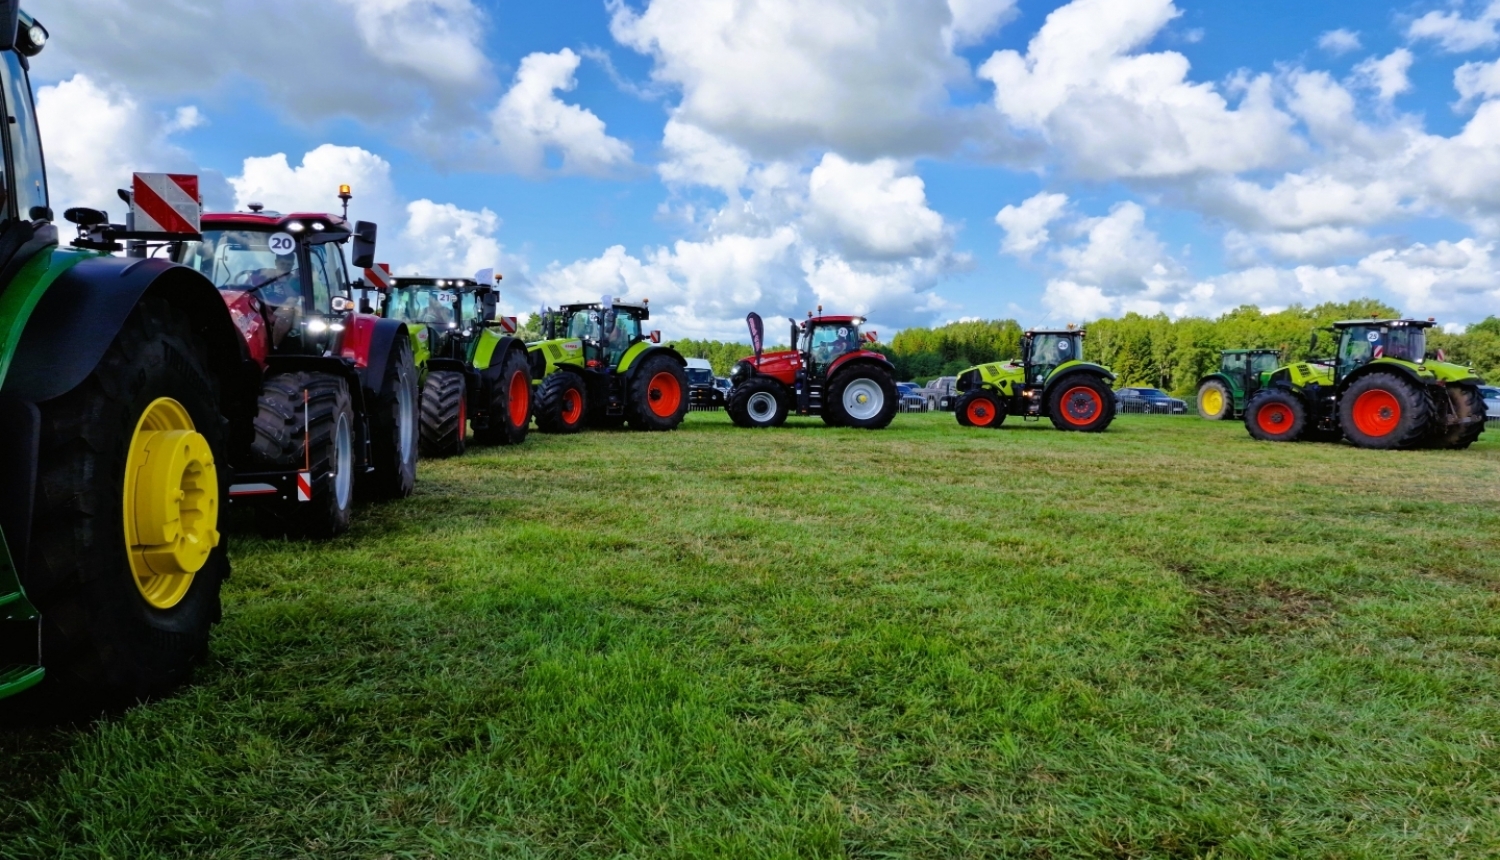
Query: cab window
[
  {"x": 322, "y": 284},
  {"x": 29, "y": 182}
]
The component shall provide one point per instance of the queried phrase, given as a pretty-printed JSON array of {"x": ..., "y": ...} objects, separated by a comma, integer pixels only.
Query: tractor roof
[
  {"x": 269, "y": 221},
  {"x": 1388, "y": 322},
  {"x": 837, "y": 320},
  {"x": 1256, "y": 351},
  {"x": 599, "y": 306},
  {"x": 1032, "y": 331},
  {"x": 423, "y": 281}
]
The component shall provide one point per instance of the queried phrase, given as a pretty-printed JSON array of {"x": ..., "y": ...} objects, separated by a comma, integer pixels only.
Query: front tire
[
  {"x": 316, "y": 431},
  {"x": 445, "y": 414},
  {"x": 979, "y": 408},
  {"x": 119, "y": 624},
  {"x": 1082, "y": 403},
  {"x": 1215, "y": 401},
  {"x": 1384, "y": 411},
  {"x": 757, "y": 402},
  {"x": 561, "y": 403},
  {"x": 510, "y": 403},
  {"x": 1466, "y": 407},
  {"x": 863, "y": 397},
  {"x": 393, "y": 426},
  {"x": 658, "y": 394},
  {"x": 1276, "y": 416}
]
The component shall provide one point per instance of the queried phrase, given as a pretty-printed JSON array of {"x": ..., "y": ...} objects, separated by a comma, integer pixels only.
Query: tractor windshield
[
  {"x": 621, "y": 330},
  {"x": 584, "y": 324},
  {"x": 830, "y": 341},
  {"x": 700, "y": 376},
  {"x": 428, "y": 305},
  {"x": 1264, "y": 362},
  {"x": 1362, "y": 344},
  {"x": 1050, "y": 350},
  {"x": 242, "y": 260}
]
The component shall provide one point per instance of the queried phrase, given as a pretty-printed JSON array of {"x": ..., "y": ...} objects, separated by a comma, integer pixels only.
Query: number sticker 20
[{"x": 282, "y": 244}]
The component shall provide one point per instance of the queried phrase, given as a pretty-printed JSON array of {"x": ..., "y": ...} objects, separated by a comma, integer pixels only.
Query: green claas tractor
[
  {"x": 116, "y": 374},
  {"x": 597, "y": 366},
  {"x": 1242, "y": 372},
  {"x": 1379, "y": 390},
  {"x": 1051, "y": 381},
  {"x": 476, "y": 371}
]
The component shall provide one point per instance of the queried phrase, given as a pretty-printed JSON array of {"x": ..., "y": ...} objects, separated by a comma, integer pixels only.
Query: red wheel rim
[
  {"x": 664, "y": 395},
  {"x": 1081, "y": 405},
  {"x": 1377, "y": 412},
  {"x": 463, "y": 418},
  {"x": 572, "y": 403},
  {"x": 516, "y": 402},
  {"x": 1274, "y": 418},
  {"x": 980, "y": 413}
]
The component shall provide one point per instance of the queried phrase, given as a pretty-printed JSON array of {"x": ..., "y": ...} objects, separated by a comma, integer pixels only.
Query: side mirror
[
  {"x": 489, "y": 305},
  {"x": 1312, "y": 345},
  {"x": 10, "y": 22},
  {"x": 364, "y": 244},
  {"x": 341, "y": 304}
]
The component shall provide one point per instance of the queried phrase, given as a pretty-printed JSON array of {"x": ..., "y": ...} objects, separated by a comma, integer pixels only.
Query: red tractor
[
  {"x": 833, "y": 376},
  {"x": 337, "y": 403}
]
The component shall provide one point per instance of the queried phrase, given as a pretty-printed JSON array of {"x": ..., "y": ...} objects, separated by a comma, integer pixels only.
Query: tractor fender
[
  {"x": 80, "y": 314},
  {"x": 1072, "y": 367},
  {"x": 370, "y": 349},
  {"x": 1399, "y": 368},
  {"x": 637, "y": 355},
  {"x": 492, "y": 349},
  {"x": 861, "y": 356},
  {"x": 1216, "y": 377}
]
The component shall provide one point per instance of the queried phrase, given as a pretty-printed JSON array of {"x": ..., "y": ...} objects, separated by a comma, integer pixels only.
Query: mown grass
[{"x": 1166, "y": 641}]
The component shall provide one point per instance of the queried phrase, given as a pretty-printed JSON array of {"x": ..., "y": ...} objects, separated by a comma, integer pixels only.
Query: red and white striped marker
[
  {"x": 165, "y": 203},
  {"x": 379, "y": 276},
  {"x": 304, "y": 486},
  {"x": 508, "y": 325}
]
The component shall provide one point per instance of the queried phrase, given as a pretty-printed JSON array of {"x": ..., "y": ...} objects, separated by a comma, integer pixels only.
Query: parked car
[
  {"x": 911, "y": 397},
  {"x": 704, "y": 395},
  {"x": 1150, "y": 401},
  {"x": 1491, "y": 396},
  {"x": 940, "y": 393},
  {"x": 723, "y": 384}
]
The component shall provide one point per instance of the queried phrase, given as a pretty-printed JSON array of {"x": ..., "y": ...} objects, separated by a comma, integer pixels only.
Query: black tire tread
[
  {"x": 833, "y": 396},
  {"x": 638, "y": 413},
  {"x": 278, "y": 446},
  {"x": 547, "y": 405},
  {"x": 738, "y": 403},
  {"x": 439, "y": 433}
]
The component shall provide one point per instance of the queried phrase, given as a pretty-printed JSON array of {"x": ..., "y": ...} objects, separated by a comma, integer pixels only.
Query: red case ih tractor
[
  {"x": 337, "y": 404},
  {"x": 833, "y": 376}
]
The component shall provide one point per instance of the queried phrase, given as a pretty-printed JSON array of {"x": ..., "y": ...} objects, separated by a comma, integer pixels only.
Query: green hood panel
[
  {"x": 556, "y": 352},
  {"x": 482, "y": 350},
  {"x": 25, "y": 290},
  {"x": 1075, "y": 365},
  {"x": 421, "y": 351}
]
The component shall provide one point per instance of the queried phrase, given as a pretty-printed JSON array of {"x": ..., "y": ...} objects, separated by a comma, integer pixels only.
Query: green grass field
[{"x": 1166, "y": 641}]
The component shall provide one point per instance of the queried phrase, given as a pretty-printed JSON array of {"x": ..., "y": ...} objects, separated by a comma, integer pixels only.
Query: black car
[
  {"x": 1149, "y": 401},
  {"x": 704, "y": 394}
]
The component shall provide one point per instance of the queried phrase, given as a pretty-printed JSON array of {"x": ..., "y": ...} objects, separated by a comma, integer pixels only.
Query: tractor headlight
[
  {"x": 741, "y": 372},
  {"x": 317, "y": 326},
  {"x": 31, "y": 40}
]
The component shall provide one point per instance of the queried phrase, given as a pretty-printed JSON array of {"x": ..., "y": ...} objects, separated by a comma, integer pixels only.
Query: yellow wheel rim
[
  {"x": 171, "y": 503},
  {"x": 1213, "y": 401}
]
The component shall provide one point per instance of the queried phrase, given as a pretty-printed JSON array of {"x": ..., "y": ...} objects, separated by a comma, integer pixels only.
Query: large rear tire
[
  {"x": 863, "y": 396},
  {"x": 980, "y": 408},
  {"x": 326, "y": 423},
  {"x": 658, "y": 394},
  {"x": 1385, "y": 411},
  {"x": 445, "y": 414},
  {"x": 1466, "y": 408},
  {"x": 561, "y": 403},
  {"x": 127, "y": 604},
  {"x": 759, "y": 401},
  {"x": 393, "y": 426},
  {"x": 1274, "y": 415},
  {"x": 1215, "y": 401},
  {"x": 1081, "y": 402},
  {"x": 510, "y": 403}
]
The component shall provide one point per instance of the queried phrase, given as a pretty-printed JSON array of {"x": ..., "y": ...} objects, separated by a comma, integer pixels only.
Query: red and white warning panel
[
  {"x": 165, "y": 203},
  {"x": 508, "y": 325},
  {"x": 304, "y": 486},
  {"x": 379, "y": 276}
]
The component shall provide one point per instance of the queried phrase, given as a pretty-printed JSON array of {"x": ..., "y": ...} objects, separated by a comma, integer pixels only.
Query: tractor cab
[
  {"x": 604, "y": 330},
  {"x": 828, "y": 339},
  {"x": 453, "y": 309},
  {"x": 1363, "y": 341},
  {"x": 1045, "y": 350},
  {"x": 283, "y": 276},
  {"x": 1254, "y": 362}
]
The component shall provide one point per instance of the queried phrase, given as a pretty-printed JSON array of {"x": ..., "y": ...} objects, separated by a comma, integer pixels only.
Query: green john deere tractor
[
  {"x": 116, "y": 374},
  {"x": 1379, "y": 390},
  {"x": 1051, "y": 381},
  {"x": 1242, "y": 372},
  {"x": 597, "y": 366},
  {"x": 476, "y": 371}
]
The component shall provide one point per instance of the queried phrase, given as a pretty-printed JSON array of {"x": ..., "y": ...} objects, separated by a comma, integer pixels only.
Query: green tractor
[
  {"x": 597, "y": 366},
  {"x": 1380, "y": 391},
  {"x": 477, "y": 372},
  {"x": 1242, "y": 372},
  {"x": 1051, "y": 381},
  {"x": 116, "y": 377}
]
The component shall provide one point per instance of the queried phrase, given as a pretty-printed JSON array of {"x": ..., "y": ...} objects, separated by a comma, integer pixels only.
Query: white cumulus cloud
[
  {"x": 1025, "y": 225},
  {"x": 531, "y": 122}
]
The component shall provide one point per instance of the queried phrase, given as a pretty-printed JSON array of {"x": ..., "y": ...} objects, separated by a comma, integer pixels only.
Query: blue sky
[{"x": 916, "y": 160}]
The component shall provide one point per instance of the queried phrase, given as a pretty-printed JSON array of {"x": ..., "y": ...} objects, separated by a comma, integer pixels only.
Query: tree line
[{"x": 1153, "y": 351}]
